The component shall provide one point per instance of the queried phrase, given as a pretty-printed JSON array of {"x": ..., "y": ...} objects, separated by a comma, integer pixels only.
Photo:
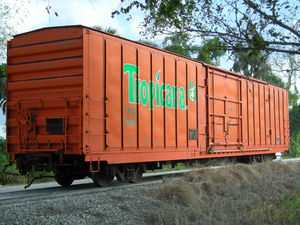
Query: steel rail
[{"x": 17, "y": 194}]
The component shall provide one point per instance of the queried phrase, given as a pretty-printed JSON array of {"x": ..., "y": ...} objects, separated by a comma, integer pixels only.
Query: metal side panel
[{"x": 93, "y": 95}]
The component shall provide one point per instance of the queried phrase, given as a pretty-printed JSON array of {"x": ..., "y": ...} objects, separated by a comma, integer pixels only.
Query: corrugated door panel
[
  {"x": 93, "y": 92},
  {"x": 169, "y": 111},
  {"x": 281, "y": 109},
  {"x": 256, "y": 115},
  {"x": 218, "y": 109},
  {"x": 147, "y": 92},
  {"x": 262, "y": 115},
  {"x": 130, "y": 96},
  {"x": 192, "y": 103},
  {"x": 244, "y": 114},
  {"x": 158, "y": 75},
  {"x": 114, "y": 95},
  {"x": 181, "y": 77},
  {"x": 232, "y": 112},
  {"x": 272, "y": 115},
  {"x": 250, "y": 114},
  {"x": 267, "y": 115},
  {"x": 226, "y": 110},
  {"x": 202, "y": 107}
]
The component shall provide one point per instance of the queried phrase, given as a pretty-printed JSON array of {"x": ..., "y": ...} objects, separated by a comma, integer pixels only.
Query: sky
[
  {"x": 75, "y": 12},
  {"x": 72, "y": 12}
]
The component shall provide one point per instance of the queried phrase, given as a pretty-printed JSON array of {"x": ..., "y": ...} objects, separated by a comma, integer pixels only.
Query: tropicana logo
[{"x": 158, "y": 94}]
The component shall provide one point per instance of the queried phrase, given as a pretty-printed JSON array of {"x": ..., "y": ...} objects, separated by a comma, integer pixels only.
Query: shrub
[{"x": 266, "y": 193}]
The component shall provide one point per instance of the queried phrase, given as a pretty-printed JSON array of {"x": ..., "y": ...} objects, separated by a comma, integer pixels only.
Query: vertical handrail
[
  {"x": 240, "y": 113},
  {"x": 65, "y": 125},
  {"x": 80, "y": 126},
  {"x": 19, "y": 131},
  {"x": 208, "y": 107}
]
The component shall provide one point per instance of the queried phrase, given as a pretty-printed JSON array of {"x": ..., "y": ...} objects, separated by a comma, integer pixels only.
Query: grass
[
  {"x": 8, "y": 179},
  {"x": 285, "y": 211},
  {"x": 265, "y": 193},
  {"x": 168, "y": 167}
]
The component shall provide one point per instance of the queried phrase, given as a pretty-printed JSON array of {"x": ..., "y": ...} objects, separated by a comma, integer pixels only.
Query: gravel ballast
[{"x": 115, "y": 206}]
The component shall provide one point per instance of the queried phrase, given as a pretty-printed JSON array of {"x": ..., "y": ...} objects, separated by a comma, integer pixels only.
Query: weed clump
[{"x": 262, "y": 193}]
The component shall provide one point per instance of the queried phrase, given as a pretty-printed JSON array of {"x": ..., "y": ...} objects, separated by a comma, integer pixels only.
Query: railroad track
[{"x": 51, "y": 190}]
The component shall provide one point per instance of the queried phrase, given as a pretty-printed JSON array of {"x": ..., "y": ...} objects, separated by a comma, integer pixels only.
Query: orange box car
[{"x": 82, "y": 103}]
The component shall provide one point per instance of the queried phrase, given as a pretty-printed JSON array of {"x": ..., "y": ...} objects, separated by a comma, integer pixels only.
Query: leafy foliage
[
  {"x": 16, "y": 179},
  {"x": 181, "y": 43},
  {"x": 294, "y": 150},
  {"x": 3, "y": 156},
  {"x": 251, "y": 63},
  {"x": 260, "y": 193},
  {"x": 295, "y": 119},
  {"x": 147, "y": 42},
  {"x": 107, "y": 29},
  {"x": 3, "y": 87},
  {"x": 8, "y": 12},
  {"x": 211, "y": 51},
  {"x": 5, "y": 29},
  {"x": 271, "y": 25}
]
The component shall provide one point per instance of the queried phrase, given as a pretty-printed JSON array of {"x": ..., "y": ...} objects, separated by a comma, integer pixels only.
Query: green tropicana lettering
[
  {"x": 131, "y": 69},
  {"x": 153, "y": 92}
]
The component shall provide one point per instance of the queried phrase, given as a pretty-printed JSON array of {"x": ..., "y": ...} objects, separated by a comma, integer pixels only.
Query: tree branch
[
  {"x": 230, "y": 48},
  {"x": 273, "y": 19}
]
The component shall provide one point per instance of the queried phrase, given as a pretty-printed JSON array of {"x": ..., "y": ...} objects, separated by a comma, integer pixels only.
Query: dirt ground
[{"x": 236, "y": 194}]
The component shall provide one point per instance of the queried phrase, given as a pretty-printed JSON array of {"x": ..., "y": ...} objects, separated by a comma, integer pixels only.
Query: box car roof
[{"x": 139, "y": 43}]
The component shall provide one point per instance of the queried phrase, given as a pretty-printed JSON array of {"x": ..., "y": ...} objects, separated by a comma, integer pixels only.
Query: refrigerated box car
[{"x": 82, "y": 102}]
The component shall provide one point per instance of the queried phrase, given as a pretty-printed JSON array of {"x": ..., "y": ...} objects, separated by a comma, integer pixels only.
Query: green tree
[
  {"x": 3, "y": 87},
  {"x": 288, "y": 66},
  {"x": 295, "y": 120},
  {"x": 295, "y": 131},
  {"x": 4, "y": 158},
  {"x": 211, "y": 51},
  {"x": 252, "y": 63},
  {"x": 148, "y": 42},
  {"x": 8, "y": 12},
  {"x": 106, "y": 29},
  {"x": 255, "y": 64},
  {"x": 269, "y": 25},
  {"x": 180, "y": 44}
]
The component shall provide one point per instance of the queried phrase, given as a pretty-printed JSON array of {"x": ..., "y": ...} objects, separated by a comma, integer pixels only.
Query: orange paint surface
[{"x": 119, "y": 101}]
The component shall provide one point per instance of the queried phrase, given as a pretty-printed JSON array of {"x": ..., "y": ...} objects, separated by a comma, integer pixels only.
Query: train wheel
[
  {"x": 63, "y": 179},
  {"x": 121, "y": 177},
  {"x": 138, "y": 173},
  {"x": 102, "y": 178}
]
